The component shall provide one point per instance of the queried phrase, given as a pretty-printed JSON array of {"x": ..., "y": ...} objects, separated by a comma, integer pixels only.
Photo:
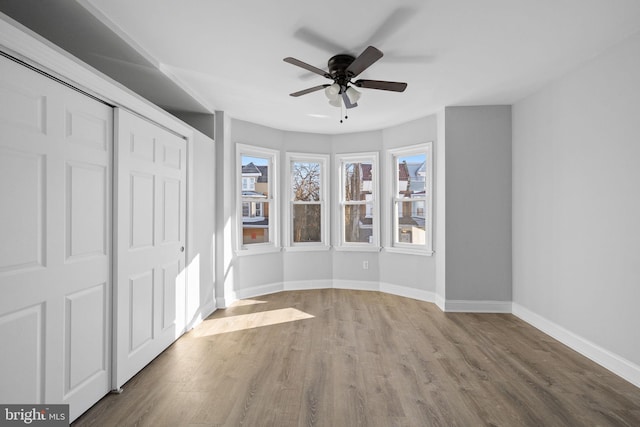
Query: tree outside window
[
  {"x": 305, "y": 181},
  {"x": 307, "y": 211}
]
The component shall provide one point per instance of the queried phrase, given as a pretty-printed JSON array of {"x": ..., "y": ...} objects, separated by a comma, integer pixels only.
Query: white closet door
[
  {"x": 55, "y": 242},
  {"x": 151, "y": 210}
]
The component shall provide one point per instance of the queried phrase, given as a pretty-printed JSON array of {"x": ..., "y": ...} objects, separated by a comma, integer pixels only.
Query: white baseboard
[
  {"x": 259, "y": 290},
  {"x": 203, "y": 313},
  {"x": 403, "y": 291},
  {"x": 471, "y": 306},
  {"x": 616, "y": 364},
  {"x": 303, "y": 285},
  {"x": 356, "y": 285}
]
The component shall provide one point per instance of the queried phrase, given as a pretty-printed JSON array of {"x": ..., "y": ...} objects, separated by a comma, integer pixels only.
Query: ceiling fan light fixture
[
  {"x": 353, "y": 94},
  {"x": 332, "y": 91},
  {"x": 336, "y": 102}
]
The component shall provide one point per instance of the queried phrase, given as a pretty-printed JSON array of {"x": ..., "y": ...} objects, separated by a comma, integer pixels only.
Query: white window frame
[
  {"x": 339, "y": 241},
  {"x": 395, "y": 244},
  {"x": 273, "y": 245},
  {"x": 324, "y": 244}
]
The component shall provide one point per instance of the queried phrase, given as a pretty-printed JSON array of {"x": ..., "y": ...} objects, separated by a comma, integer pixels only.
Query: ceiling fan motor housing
[{"x": 338, "y": 65}]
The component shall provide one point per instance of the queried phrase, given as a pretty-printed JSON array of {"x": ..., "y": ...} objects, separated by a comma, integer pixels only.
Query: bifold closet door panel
[
  {"x": 150, "y": 241},
  {"x": 55, "y": 246}
]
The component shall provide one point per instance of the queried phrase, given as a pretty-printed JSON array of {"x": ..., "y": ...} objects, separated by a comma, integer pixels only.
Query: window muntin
[
  {"x": 358, "y": 200},
  {"x": 411, "y": 198},
  {"x": 257, "y": 200},
  {"x": 307, "y": 214}
]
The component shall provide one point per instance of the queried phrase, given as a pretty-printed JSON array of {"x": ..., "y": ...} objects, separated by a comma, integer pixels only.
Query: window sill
[
  {"x": 357, "y": 248},
  {"x": 409, "y": 251},
  {"x": 257, "y": 251},
  {"x": 306, "y": 248}
]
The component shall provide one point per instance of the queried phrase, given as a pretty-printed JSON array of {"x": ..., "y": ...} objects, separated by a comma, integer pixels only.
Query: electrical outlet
[{"x": 365, "y": 265}]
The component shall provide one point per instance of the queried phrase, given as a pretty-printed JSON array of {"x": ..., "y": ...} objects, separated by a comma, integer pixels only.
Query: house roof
[
  {"x": 264, "y": 173},
  {"x": 250, "y": 169}
]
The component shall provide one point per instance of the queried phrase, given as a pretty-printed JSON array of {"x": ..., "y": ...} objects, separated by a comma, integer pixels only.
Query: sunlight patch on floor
[{"x": 243, "y": 322}]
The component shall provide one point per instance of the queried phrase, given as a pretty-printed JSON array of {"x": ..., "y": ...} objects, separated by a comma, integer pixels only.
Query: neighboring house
[{"x": 255, "y": 212}]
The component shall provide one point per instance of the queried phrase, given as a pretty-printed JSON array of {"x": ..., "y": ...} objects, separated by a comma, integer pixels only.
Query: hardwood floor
[{"x": 355, "y": 358}]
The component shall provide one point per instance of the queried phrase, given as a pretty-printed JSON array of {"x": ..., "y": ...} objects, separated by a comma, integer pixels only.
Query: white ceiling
[{"x": 228, "y": 53}]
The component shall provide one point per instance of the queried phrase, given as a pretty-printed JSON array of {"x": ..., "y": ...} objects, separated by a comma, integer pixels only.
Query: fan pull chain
[{"x": 342, "y": 112}]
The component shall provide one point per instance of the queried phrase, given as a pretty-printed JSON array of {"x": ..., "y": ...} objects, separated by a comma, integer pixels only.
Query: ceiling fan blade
[
  {"x": 382, "y": 85},
  {"x": 306, "y": 91},
  {"x": 364, "y": 61},
  {"x": 306, "y": 66},
  {"x": 312, "y": 38},
  {"x": 397, "y": 20}
]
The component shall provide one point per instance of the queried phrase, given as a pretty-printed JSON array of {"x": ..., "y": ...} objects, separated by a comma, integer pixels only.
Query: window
[
  {"x": 307, "y": 214},
  {"x": 257, "y": 201},
  {"x": 357, "y": 200},
  {"x": 412, "y": 198},
  {"x": 248, "y": 183}
]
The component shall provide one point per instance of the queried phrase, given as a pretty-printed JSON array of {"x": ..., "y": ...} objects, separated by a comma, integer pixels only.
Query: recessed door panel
[
  {"x": 171, "y": 210},
  {"x": 22, "y": 364},
  {"x": 86, "y": 314},
  {"x": 86, "y": 215},
  {"x": 142, "y": 205},
  {"x": 172, "y": 156},
  {"x": 171, "y": 290},
  {"x": 22, "y": 226},
  {"x": 22, "y": 107},
  {"x": 87, "y": 129},
  {"x": 142, "y": 146},
  {"x": 141, "y": 311}
]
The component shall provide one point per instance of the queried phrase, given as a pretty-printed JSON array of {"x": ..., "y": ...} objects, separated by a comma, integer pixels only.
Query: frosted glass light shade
[
  {"x": 336, "y": 102},
  {"x": 353, "y": 94},
  {"x": 332, "y": 91}
]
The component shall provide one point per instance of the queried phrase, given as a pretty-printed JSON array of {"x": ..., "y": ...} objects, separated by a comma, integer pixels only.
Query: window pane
[
  {"x": 357, "y": 180},
  {"x": 411, "y": 222},
  {"x": 412, "y": 173},
  {"x": 255, "y": 206},
  {"x": 255, "y": 222},
  {"x": 255, "y": 176},
  {"x": 305, "y": 181},
  {"x": 358, "y": 227},
  {"x": 306, "y": 223}
]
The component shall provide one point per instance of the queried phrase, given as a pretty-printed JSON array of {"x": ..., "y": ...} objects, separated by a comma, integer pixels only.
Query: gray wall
[
  {"x": 576, "y": 210},
  {"x": 478, "y": 203}
]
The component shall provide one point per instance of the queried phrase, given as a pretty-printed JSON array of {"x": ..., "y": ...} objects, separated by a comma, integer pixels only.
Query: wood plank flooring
[{"x": 355, "y": 358}]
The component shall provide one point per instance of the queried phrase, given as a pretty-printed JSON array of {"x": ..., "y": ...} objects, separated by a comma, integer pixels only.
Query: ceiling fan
[{"x": 342, "y": 69}]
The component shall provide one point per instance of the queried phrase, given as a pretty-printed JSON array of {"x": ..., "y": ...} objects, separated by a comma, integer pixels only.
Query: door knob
[{"x": 182, "y": 249}]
